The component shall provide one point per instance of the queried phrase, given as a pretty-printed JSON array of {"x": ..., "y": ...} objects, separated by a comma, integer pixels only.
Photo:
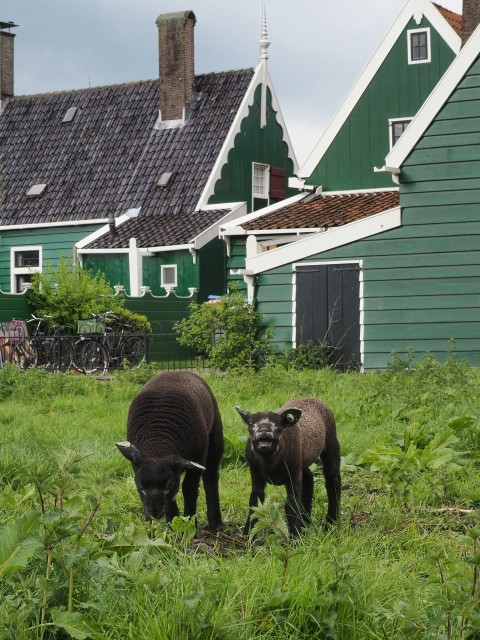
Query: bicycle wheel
[
  {"x": 132, "y": 351},
  {"x": 94, "y": 358},
  {"x": 25, "y": 354},
  {"x": 60, "y": 356}
]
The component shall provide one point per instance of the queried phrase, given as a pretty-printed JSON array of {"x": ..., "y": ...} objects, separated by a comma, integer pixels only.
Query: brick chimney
[
  {"x": 176, "y": 58},
  {"x": 470, "y": 18},
  {"x": 6, "y": 60}
]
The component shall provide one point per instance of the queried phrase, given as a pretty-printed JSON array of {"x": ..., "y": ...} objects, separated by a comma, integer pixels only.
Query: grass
[{"x": 77, "y": 559}]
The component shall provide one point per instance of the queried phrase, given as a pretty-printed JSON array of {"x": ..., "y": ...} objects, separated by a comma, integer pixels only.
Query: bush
[
  {"x": 70, "y": 293},
  {"x": 227, "y": 331}
]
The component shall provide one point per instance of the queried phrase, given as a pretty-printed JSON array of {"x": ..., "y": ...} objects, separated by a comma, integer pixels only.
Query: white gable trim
[
  {"x": 325, "y": 241},
  {"x": 52, "y": 225},
  {"x": 212, "y": 232},
  {"x": 434, "y": 102},
  {"x": 131, "y": 213},
  {"x": 413, "y": 8},
  {"x": 258, "y": 77}
]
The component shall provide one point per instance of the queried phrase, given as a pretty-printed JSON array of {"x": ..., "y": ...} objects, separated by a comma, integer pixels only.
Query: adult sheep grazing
[
  {"x": 174, "y": 426},
  {"x": 281, "y": 447}
]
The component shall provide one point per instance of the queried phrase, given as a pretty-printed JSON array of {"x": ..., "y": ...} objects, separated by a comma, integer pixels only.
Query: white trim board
[
  {"x": 436, "y": 100},
  {"x": 325, "y": 241},
  {"x": 413, "y": 9}
]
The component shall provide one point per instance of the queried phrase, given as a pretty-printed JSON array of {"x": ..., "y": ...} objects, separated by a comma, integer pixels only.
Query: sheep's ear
[
  {"x": 130, "y": 452},
  {"x": 243, "y": 414},
  {"x": 181, "y": 465},
  {"x": 290, "y": 417}
]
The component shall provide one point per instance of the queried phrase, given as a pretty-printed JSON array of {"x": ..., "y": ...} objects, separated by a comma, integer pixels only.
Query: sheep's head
[
  {"x": 157, "y": 481},
  {"x": 266, "y": 429}
]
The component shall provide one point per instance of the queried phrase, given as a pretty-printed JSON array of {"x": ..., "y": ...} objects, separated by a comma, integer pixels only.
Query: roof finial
[{"x": 264, "y": 41}]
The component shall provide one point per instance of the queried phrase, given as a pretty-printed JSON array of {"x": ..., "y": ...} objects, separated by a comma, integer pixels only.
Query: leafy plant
[
  {"x": 226, "y": 331},
  {"x": 70, "y": 293},
  {"x": 314, "y": 354},
  {"x": 400, "y": 462}
]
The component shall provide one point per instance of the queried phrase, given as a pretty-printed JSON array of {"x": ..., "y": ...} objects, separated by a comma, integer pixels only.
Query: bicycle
[
  {"x": 53, "y": 352},
  {"x": 116, "y": 346}
]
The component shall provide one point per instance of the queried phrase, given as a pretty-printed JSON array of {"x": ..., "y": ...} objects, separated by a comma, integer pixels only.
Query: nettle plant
[
  {"x": 416, "y": 451},
  {"x": 226, "y": 331}
]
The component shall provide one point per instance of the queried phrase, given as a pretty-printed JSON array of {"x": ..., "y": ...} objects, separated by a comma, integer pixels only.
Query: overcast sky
[{"x": 318, "y": 47}]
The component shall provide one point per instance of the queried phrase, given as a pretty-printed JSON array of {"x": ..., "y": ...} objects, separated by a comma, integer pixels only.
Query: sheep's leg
[
  {"x": 293, "y": 506},
  {"x": 171, "y": 511},
  {"x": 307, "y": 494},
  {"x": 211, "y": 477},
  {"x": 331, "y": 472},
  {"x": 257, "y": 496},
  {"x": 190, "y": 487}
]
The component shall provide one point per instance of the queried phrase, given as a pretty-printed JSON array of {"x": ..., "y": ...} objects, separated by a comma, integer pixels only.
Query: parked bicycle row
[{"x": 99, "y": 349}]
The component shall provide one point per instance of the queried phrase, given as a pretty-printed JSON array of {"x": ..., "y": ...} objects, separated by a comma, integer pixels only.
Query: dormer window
[
  {"x": 418, "y": 46},
  {"x": 397, "y": 127}
]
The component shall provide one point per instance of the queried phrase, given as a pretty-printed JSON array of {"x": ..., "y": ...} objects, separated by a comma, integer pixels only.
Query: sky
[{"x": 318, "y": 47}]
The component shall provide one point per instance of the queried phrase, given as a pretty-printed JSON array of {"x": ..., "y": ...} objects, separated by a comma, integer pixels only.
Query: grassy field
[{"x": 78, "y": 560}]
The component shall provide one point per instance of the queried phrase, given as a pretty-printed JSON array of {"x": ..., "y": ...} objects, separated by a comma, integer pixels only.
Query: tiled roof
[
  {"x": 326, "y": 210},
  {"x": 110, "y": 157},
  {"x": 454, "y": 19}
]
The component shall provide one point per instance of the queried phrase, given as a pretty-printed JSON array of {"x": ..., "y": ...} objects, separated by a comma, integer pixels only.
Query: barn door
[{"x": 328, "y": 309}]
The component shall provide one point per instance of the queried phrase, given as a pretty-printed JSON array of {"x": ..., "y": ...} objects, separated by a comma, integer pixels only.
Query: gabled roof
[
  {"x": 454, "y": 19},
  {"x": 412, "y": 9},
  {"x": 325, "y": 210},
  {"x": 110, "y": 156},
  {"x": 436, "y": 100}
]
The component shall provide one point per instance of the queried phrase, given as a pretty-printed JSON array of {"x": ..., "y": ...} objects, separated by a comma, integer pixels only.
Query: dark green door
[{"x": 328, "y": 309}]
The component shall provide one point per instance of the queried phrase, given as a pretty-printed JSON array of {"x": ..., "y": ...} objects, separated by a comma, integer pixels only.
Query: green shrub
[
  {"x": 226, "y": 331},
  {"x": 70, "y": 293}
]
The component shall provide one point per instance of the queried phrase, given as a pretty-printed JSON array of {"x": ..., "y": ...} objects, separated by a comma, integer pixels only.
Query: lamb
[
  {"x": 174, "y": 425},
  {"x": 281, "y": 447}
]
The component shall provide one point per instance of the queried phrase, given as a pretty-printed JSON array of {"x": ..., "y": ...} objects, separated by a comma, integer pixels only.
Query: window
[
  {"x": 418, "y": 46},
  {"x": 397, "y": 127},
  {"x": 260, "y": 185},
  {"x": 25, "y": 261},
  {"x": 169, "y": 276}
]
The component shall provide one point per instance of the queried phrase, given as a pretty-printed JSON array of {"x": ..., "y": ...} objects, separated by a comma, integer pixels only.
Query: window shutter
[{"x": 277, "y": 183}]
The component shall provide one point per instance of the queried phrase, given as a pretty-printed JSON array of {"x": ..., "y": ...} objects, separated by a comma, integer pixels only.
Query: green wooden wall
[
  {"x": 114, "y": 266},
  {"x": 397, "y": 91},
  {"x": 253, "y": 144},
  {"x": 421, "y": 281},
  {"x": 54, "y": 240}
]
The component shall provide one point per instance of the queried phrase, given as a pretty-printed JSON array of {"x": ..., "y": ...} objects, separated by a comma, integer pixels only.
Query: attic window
[
  {"x": 69, "y": 116},
  {"x": 397, "y": 127},
  {"x": 36, "y": 190},
  {"x": 168, "y": 276},
  {"x": 164, "y": 181},
  {"x": 260, "y": 185},
  {"x": 418, "y": 46}
]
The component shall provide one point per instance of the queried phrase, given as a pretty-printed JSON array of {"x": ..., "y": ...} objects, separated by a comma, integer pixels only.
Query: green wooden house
[
  {"x": 344, "y": 196},
  {"x": 134, "y": 179}
]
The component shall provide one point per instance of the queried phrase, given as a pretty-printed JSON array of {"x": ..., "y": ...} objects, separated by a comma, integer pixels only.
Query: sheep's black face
[
  {"x": 266, "y": 429},
  {"x": 157, "y": 486}
]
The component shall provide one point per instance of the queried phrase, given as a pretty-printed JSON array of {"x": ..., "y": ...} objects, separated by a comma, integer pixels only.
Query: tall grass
[{"x": 78, "y": 560}]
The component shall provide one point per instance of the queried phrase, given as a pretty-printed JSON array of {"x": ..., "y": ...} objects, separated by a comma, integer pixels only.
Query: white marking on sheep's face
[{"x": 266, "y": 429}]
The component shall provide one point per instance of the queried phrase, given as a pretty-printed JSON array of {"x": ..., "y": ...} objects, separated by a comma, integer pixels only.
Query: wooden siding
[
  {"x": 421, "y": 282},
  {"x": 54, "y": 240},
  {"x": 253, "y": 144},
  {"x": 236, "y": 260},
  {"x": 397, "y": 91},
  {"x": 114, "y": 266}
]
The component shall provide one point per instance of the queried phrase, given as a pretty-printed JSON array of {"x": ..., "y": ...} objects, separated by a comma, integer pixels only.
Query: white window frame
[
  {"x": 20, "y": 271},
  {"x": 163, "y": 270},
  {"x": 411, "y": 32},
  {"x": 393, "y": 121},
  {"x": 266, "y": 180}
]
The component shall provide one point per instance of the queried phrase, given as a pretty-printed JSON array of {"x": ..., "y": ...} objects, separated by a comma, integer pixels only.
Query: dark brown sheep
[
  {"x": 281, "y": 447},
  {"x": 173, "y": 426}
]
